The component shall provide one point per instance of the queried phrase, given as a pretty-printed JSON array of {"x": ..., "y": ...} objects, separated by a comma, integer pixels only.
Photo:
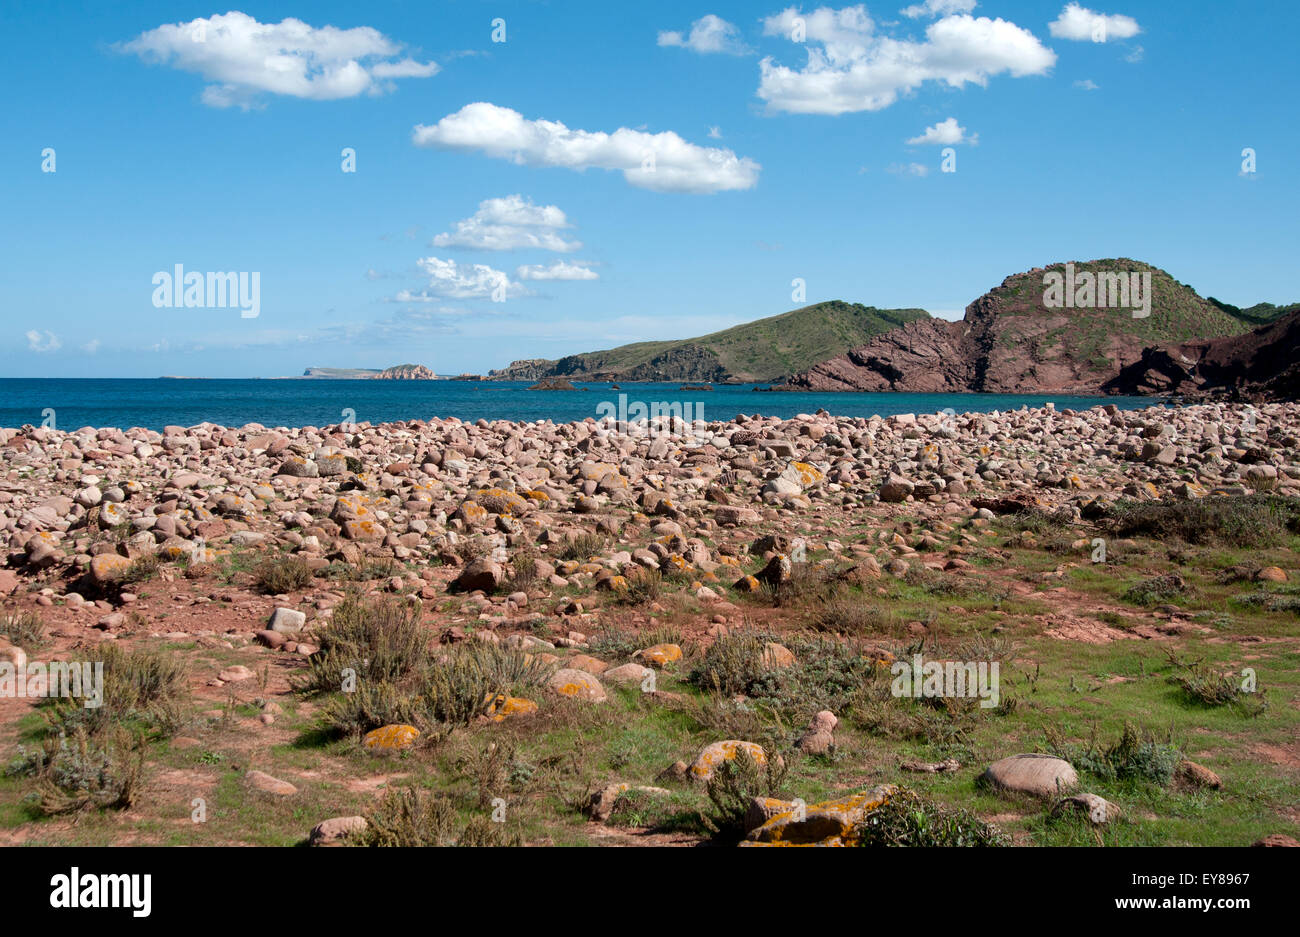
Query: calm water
[{"x": 157, "y": 403}]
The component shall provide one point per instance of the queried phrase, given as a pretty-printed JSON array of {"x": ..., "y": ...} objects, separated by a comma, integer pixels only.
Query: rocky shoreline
[
  {"x": 411, "y": 490},
  {"x": 543, "y": 539}
]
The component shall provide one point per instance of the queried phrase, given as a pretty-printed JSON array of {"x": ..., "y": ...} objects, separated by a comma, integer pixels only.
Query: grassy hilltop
[{"x": 755, "y": 351}]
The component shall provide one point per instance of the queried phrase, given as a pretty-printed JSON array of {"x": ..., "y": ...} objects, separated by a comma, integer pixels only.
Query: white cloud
[
  {"x": 708, "y": 34},
  {"x": 938, "y": 8},
  {"x": 1136, "y": 55},
  {"x": 852, "y": 68},
  {"x": 908, "y": 169},
  {"x": 1087, "y": 84},
  {"x": 451, "y": 280},
  {"x": 511, "y": 223},
  {"x": 243, "y": 58},
  {"x": 715, "y": 133},
  {"x": 91, "y": 346},
  {"x": 1084, "y": 25},
  {"x": 946, "y": 132},
  {"x": 662, "y": 162},
  {"x": 559, "y": 270},
  {"x": 43, "y": 342}
]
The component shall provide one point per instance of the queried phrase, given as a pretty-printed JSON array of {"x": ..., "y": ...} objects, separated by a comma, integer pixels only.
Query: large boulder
[
  {"x": 107, "y": 568},
  {"x": 481, "y": 574},
  {"x": 577, "y": 684},
  {"x": 1036, "y": 775},
  {"x": 830, "y": 823},
  {"x": 298, "y": 467},
  {"x": 712, "y": 756},
  {"x": 334, "y": 831},
  {"x": 895, "y": 489}
]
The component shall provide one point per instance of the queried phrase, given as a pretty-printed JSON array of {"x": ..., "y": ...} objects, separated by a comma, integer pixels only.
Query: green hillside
[
  {"x": 1258, "y": 314},
  {"x": 762, "y": 350}
]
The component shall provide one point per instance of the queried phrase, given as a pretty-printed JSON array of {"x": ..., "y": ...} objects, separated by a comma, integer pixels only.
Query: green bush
[
  {"x": 1136, "y": 755},
  {"x": 83, "y": 772},
  {"x": 379, "y": 640},
  {"x": 1202, "y": 685},
  {"x": 26, "y": 629},
  {"x": 447, "y": 689},
  {"x": 732, "y": 664},
  {"x": 581, "y": 547},
  {"x": 734, "y": 784},
  {"x": 411, "y": 817},
  {"x": 1256, "y": 520},
  {"x": 144, "y": 690},
  {"x": 1155, "y": 590},
  {"x": 908, "y": 819},
  {"x": 277, "y": 575}
]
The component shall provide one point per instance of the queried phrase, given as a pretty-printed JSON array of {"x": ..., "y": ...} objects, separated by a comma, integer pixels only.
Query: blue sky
[{"x": 213, "y": 138}]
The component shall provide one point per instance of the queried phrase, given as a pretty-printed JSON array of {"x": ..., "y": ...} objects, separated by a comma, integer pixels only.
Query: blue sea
[{"x": 157, "y": 403}]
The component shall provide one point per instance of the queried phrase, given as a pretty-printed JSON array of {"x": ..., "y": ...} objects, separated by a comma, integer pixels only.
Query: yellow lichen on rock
[
  {"x": 832, "y": 822},
  {"x": 391, "y": 738},
  {"x": 503, "y": 706},
  {"x": 577, "y": 684},
  {"x": 808, "y": 474},
  {"x": 471, "y": 512},
  {"x": 500, "y": 501},
  {"x": 660, "y": 654},
  {"x": 711, "y": 756}
]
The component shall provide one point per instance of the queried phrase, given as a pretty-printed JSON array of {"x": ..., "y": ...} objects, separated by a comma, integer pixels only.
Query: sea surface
[{"x": 154, "y": 404}]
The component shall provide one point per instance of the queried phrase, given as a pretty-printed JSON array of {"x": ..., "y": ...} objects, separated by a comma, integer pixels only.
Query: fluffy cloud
[
  {"x": 938, "y": 8},
  {"x": 662, "y": 162},
  {"x": 243, "y": 58},
  {"x": 559, "y": 270},
  {"x": 1086, "y": 84},
  {"x": 852, "y": 68},
  {"x": 42, "y": 342},
  {"x": 708, "y": 34},
  {"x": 510, "y": 223},
  {"x": 451, "y": 280},
  {"x": 907, "y": 169},
  {"x": 945, "y": 133},
  {"x": 1083, "y": 25}
]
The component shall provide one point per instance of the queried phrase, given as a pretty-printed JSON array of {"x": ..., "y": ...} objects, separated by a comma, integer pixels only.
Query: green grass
[{"x": 1070, "y": 696}]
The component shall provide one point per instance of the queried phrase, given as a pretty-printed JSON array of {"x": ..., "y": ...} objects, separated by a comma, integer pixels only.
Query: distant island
[{"x": 400, "y": 372}]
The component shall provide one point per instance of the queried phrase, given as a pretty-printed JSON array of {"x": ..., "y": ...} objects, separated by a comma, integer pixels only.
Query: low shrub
[
  {"x": 734, "y": 784},
  {"x": 144, "y": 690},
  {"x": 909, "y": 819},
  {"x": 26, "y": 629},
  {"x": 1257, "y": 520},
  {"x": 277, "y": 575},
  {"x": 1138, "y": 754},
  {"x": 1156, "y": 590}
]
